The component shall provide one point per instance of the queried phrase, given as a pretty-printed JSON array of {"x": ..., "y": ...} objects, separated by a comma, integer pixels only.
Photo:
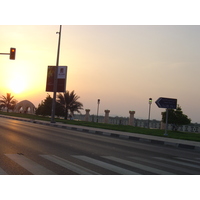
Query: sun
[
  {"x": 20, "y": 78},
  {"x": 17, "y": 84}
]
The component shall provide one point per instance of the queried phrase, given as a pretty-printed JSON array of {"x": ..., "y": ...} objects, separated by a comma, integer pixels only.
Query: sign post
[
  {"x": 167, "y": 103},
  {"x": 166, "y": 124}
]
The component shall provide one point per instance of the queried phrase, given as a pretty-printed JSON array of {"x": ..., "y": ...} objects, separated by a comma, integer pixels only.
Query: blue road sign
[{"x": 166, "y": 103}]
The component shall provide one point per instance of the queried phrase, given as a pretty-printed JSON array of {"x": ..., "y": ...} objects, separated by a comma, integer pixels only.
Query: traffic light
[
  {"x": 12, "y": 53},
  {"x": 150, "y": 100}
]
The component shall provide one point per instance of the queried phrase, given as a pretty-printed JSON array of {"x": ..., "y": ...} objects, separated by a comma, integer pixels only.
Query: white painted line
[
  {"x": 2, "y": 172},
  {"x": 69, "y": 165},
  {"x": 165, "y": 165},
  {"x": 140, "y": 166},
  {"x": 185, "y": 159},
  {"x": 105, "y": 165},
  {"x": 178, "y": 162},
  {"x": 29, "y": 165}
]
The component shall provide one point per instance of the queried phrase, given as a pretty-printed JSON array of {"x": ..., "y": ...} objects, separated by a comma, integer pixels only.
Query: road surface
[{"x": 28, "y": 148}]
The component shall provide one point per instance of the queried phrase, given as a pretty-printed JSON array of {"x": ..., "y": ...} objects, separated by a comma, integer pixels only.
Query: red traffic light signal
[{"x": 12, "y": 53}]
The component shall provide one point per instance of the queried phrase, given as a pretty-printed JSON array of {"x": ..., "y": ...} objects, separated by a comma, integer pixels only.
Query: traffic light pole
[
  {"x": 4, "y": 53},
  {"x": 11, "y": 54},
  {"x": 55, "y": 80}
]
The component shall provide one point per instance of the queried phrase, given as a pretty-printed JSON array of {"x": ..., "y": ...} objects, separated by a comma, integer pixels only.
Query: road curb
[{"x": 114, "y": 135}]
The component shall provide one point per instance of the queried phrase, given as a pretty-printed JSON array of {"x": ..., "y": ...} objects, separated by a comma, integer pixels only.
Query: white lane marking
[
  {"x": 137, "y": 165},
  {"x": 29, "y": 165},
  {"x": 178, "y": 162},
  {"x": 69, "y": 165},
  {"x": 169, "y": 165},
  {"x": 2, "y": 172},
  {"x": 186, "y": 159},
  {"x": 105, "y": 165}
]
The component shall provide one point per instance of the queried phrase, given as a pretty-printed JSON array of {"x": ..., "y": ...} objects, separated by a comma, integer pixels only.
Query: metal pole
[
  {"x": 4, "y": 53},
  {"x": 55, "y": 80},
  {"x": 150, "y": 102},
  {"x": 98, "y": 102},
  {"x": 166, "y": 125},
  {"x": 149, "y": 114}
]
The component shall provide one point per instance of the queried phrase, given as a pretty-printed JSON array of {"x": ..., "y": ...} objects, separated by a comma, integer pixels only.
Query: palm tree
[
  {"x": 68, "y": 102},
  {"x": 8, "y": 101}
]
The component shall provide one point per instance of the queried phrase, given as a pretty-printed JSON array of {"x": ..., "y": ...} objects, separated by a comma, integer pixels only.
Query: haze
[{"x": 121, "y": 65}]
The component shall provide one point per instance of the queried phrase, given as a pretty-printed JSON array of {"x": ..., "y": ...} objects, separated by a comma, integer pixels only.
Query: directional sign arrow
[{"x": 163, "y": 102}]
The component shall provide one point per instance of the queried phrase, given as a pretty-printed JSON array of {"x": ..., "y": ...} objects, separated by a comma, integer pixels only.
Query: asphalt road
[{"x": 28, "y": 148}]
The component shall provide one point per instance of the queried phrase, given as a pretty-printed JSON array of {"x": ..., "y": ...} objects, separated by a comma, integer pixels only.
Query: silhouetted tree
[
  {"x": 68, "y": 102},
  {"x": 8, "y": 102},
  {"x": 176, "y": 117},
  {"x": 45, "y": 107}
]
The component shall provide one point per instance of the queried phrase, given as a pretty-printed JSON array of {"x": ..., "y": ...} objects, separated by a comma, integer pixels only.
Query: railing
[{"x": 153, "y": 124}]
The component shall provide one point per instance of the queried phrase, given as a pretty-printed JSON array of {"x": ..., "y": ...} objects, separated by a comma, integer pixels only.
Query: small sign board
[
  {"x": 163, "y": 102},
  {"x": 62, "y": 72},
  {"x": 61, "y": 78}
]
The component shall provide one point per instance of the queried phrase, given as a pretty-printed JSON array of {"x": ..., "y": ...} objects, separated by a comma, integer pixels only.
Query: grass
[{"x": 124, "y": 128}]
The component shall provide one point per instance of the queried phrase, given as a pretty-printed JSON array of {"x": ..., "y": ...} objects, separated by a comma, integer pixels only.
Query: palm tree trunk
[{"x": 66, "y": 113}]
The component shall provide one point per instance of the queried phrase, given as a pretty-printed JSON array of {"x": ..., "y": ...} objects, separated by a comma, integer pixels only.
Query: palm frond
[{"x": 68, "y": 102}]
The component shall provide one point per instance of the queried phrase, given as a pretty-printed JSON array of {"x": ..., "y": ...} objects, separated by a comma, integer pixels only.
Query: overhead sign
[
  {"x": 166, "y": 103},
  {"x": 61, "y": 78}
]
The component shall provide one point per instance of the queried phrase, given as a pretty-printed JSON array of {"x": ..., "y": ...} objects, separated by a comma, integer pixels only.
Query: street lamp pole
[
  {"x": 150, "y": 102},
  {"x": 98, "y": 102},
  {"x": 55, "y": 79}
]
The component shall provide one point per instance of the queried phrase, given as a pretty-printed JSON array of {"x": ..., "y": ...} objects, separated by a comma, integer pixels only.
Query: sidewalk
[{"x": 118, "y": 134}]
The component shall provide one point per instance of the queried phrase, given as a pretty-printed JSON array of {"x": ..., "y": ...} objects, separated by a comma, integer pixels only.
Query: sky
[
  {"x": 122, "y": 65},
  {"x": 120, "y": 53}
]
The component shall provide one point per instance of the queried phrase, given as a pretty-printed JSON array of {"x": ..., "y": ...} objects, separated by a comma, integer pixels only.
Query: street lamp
[
  {"x": 150, "y": 102},
  {"x": 98, "y": 102}
]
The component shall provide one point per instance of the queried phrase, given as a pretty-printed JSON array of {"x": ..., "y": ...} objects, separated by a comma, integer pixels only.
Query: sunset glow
[
  {"x": 123, "y": 66},
  {"x": 17, "y": 84}
]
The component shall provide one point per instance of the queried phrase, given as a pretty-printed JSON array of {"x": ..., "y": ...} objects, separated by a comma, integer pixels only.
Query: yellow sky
[{"x": 121, "y": 65}]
